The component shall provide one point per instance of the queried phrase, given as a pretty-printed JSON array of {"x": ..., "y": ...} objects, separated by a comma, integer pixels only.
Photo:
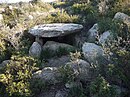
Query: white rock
[
  {"x": 92, "y": 51},
  {"x": 92, "y": 33},
  {"x": 55, "y": 29},
  {"x": 35, "y": 50}
]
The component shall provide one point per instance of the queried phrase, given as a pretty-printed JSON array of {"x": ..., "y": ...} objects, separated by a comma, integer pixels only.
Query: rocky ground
[{"x": 70, "y": 54}]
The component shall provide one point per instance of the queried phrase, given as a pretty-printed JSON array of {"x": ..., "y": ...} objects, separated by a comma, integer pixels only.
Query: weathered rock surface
[
  {"x": 92, "y": 51},
  {"x": 106, "y": 36},
  {"x": 55, "y": 47},
  {"x": 55, "y": 29},
  {"x": 92, "y": 33},
  {"x": 82, "y": 69},
  {"x": 48, "y": 74},
  {"x": 123, "y": 17},
  {"x": 35, "y": 50},
  {"x": 57, "y": 62}
]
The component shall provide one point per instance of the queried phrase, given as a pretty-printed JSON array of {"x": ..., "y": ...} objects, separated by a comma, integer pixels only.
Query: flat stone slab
[{"x": 55, "y": 29}]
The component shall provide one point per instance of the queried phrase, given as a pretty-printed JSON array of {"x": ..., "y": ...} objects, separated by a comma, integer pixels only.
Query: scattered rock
[
  {"x": 106, "y": 36},
  {"x": 35, "y": 50},
  {"x": 55, "y": 29},
  {"x": 48, "y": 74},
  {"x": 92, "y": 51},
  {"x": 123, "y": 17},
  {"x": 93, "y": 33}
]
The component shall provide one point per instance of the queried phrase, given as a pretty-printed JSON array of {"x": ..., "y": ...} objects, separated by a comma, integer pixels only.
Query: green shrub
[
  {"x": 59, "y": 17},
  {"x": 67, "y": 74},
  {"x": 11, "y": 16},
  {"x": 118, "y": 6},
  {"x": 88, "y": 13},
  {"x": 77, "y": 91},
  {"x": 115, "y": 26},
  {"x": 5, "y": 48},
  {"x": 101, "y": 88},
  {"x": 16, "y": 76},
  {"x": 48, "y": 53},
  {"x": 38, "y": 86},
  {"x": 120, "y": 67}
]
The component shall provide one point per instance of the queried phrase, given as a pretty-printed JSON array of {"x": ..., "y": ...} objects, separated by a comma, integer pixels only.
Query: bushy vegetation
[
  {"x": 16, "y": 77},
  {"x": 100, "y": 88},
  {"x": 17, "y": 74}
]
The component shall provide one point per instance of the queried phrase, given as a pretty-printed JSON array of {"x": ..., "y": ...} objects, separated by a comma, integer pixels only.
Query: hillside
[{"x": 65, "y": 48}]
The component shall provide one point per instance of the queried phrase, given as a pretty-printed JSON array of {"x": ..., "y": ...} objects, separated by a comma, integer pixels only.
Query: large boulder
[
  {"x": 92, "y": 52},
  {"x": 35, "y": 50},
  {"x": 48, "y": 75},
  {"x": 92, "y": 33},
  {"x": 55, "y": 48},
  {"x": 82, "y": 70},
  {"x": 57, "y": 62},
  {"x": 123, "y": 17},
  {"x": 55, "y": 29}
]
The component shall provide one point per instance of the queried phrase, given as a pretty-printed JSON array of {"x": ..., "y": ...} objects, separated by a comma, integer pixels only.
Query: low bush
[
  {"x": 101, "y": 88},
  {"x": 88, "y": 13},
  {"x": 16, "y": 76}
]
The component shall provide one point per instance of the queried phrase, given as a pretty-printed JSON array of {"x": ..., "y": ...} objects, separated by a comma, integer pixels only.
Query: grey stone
[
  {"x": 92, "y": 51},
  {"x": 123, "y": 17},
  {"x": 82, "y": 69},
  {"x": 35, "y": 50},
  {"x": 55, "y": 29},
  {"x": 48, "y": 74},
  {"x": 93, "y": 33},
  {"x": 4, "y": 63},
  {"x": 106, "y": 36},
  {"x": 55, "y": 47},
  {"x": 57, "y": 62}
]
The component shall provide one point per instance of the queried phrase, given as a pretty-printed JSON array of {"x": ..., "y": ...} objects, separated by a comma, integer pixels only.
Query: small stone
[
  {"x": 35, "y": 50},
  {"x": 93, "y": 33}
]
